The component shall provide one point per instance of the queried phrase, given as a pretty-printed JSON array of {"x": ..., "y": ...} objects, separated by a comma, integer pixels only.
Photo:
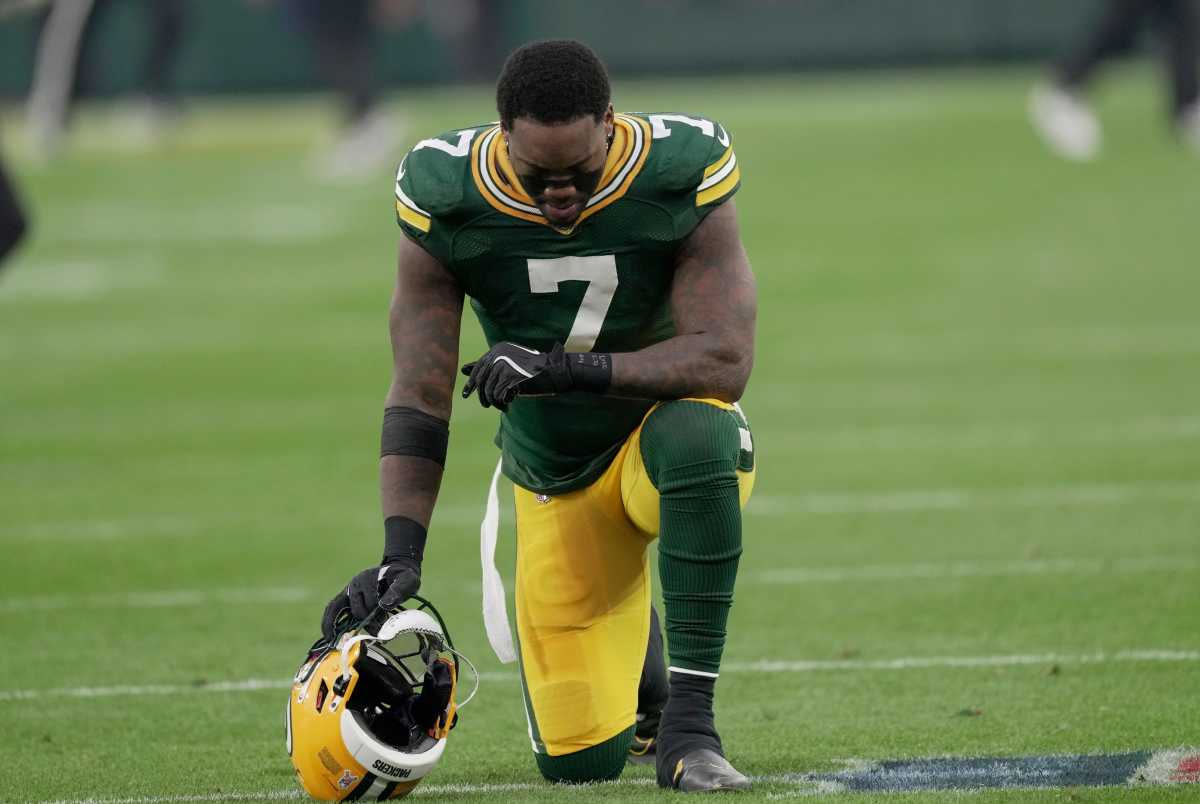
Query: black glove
[
  {"x": 378, "y": 588},
  {"x": 506, "y": 370}
]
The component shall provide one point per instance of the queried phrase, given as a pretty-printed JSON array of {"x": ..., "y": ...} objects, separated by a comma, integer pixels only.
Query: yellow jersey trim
[
  {"x": 720, "y": 189},
  {"x": 413, "y": 219},
  {"x": 499, "y": 185}
]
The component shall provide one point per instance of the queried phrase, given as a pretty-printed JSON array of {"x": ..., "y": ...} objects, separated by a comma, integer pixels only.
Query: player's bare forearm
[
  {"x": 424, "y": 320},
  {"x": 714, "y": 302}
]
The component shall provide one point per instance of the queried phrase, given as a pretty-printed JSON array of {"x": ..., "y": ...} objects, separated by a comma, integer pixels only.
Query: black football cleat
[
  {"x": 705, "y": 771},
  {"x": 644, "y": 747}
]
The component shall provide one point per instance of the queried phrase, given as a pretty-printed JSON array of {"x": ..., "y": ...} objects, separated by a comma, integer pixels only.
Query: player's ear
[{"x": 610, "y": 120}]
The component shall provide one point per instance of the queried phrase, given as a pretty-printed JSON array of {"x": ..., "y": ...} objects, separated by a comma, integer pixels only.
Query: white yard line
[
  {"x": 179, "y": 526},
  {"x": 183, "y": 598},
  {"x": 156, "y": 600},
  {"x": 973, "y": 569},
  {"x": 144, "y": 690},
  {"x": 1161, "y": 769},
  {"x": 761, "y": 505},
  {"x": 109, "y": 530},
  {"x": 422, "y": 790},
  {"x": 760, "y": 666},
  {"x": 271, "y": 795},
  {"x": 948, "y": 499}
]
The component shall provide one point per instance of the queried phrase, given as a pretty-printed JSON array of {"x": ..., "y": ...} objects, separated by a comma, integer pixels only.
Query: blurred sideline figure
[
  {"x": 13, "y": 222},
  {"x": 64, "y": 69},
  {"x": 340, "y": 35},
  {"x": 1058, "y": 109}
]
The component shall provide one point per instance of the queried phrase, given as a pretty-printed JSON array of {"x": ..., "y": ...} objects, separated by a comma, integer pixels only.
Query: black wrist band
[
  {"x": 590, "y": 371},
  {"x": 403, "y": 538}
]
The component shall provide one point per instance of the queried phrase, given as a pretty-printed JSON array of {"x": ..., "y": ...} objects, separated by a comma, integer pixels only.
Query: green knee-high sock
[{"x": 691, "y": 452}]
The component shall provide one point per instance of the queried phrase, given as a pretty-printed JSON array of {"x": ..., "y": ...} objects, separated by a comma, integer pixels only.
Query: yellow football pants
[{"x": 583, "y": 601}]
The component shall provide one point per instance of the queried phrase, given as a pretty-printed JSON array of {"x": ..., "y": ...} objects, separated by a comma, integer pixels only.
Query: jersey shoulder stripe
[
  {"x": 406, "y": 208},
  {"x": 720, "y": 179}
]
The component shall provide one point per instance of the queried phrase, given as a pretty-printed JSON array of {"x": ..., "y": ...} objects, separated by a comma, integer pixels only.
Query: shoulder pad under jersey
[
  {"x": 431, "y": 180},
  {"x": 694, "y": 155}
]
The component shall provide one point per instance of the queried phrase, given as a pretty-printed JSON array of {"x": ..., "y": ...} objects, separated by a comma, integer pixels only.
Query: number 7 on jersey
[{"x": 599, "y": 272}]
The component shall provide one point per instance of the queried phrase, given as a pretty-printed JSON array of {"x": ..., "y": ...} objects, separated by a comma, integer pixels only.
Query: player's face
[{"x": 560, "y": 164}]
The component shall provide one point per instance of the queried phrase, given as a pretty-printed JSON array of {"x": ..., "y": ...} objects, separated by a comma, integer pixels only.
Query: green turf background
[{"x": 967, "y": 352}]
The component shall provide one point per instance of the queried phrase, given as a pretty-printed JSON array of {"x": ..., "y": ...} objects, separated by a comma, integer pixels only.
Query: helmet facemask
[{"x": 397, "y": 706}]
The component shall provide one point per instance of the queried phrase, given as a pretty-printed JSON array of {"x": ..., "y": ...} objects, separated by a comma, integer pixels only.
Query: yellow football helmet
[{"x": 361, "y": 722}]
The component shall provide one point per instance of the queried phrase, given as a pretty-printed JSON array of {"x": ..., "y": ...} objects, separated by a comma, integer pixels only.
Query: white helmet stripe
[{"x": 383, "y": 760}]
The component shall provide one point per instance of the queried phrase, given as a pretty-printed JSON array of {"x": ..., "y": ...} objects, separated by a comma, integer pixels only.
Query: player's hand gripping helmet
[{"x": 370, "y": 710}]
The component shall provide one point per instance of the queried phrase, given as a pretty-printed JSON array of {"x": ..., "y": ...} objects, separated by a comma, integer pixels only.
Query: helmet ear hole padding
[{"x": 436, "y": 693}]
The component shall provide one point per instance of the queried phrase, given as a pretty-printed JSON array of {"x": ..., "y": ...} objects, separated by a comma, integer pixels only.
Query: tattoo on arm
[
  {"x": 424, "y": 320},
  {"x": 714, "y": 303}
]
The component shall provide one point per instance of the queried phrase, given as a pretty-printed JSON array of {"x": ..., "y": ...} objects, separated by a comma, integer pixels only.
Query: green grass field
[{"x": 976, "y": 407}]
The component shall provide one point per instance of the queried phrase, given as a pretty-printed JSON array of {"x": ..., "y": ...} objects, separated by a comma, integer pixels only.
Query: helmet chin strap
[{"x": 345, "y": 644}]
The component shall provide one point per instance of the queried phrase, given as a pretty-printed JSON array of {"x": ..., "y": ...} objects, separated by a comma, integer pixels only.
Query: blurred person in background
[
  {"x": 341, "y": 36},
  {"x": 1058, "y": 109},
  {"x": 13, "y": 223},
  {"x": 65, "y": 67}
]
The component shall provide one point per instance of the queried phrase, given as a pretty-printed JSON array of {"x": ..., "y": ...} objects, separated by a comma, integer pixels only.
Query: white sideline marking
[
  {"x": 922, "y": 662},
  {"x": 760, "y": 666},
  {"x": 975, "y": 569},
  {"x": 960, "y": 499},
  {"x": 155, "y": 600}
]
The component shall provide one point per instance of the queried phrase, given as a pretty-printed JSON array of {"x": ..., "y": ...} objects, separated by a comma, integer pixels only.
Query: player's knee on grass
[
  {"x": 686, "y": 444},
  {"x": 600, "y": 763}
]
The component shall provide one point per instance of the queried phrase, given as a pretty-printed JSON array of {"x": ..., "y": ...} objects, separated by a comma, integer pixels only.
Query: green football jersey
[{"x": 601, "y": 285}]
